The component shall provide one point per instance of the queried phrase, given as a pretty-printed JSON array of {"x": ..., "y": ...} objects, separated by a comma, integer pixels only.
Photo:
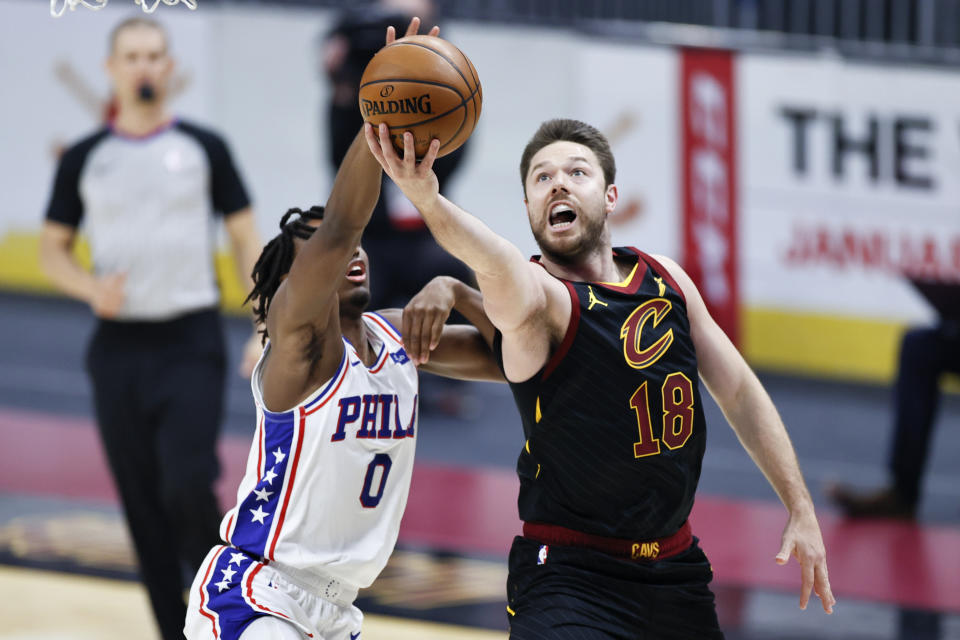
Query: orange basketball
[{"x": 425, "y": 85}]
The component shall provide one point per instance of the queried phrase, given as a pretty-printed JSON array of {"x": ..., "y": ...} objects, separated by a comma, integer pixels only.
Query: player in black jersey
[{"x": 604, "y": 349}]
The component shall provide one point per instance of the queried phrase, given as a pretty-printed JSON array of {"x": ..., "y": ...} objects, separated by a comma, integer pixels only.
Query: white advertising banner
[
  {"x": 632, "y": 95},
  {"x": 55, "y": 90},
  {"x": 850, "y": 182},
  {"x": 253, "y": 74},
  {"x": 847, "y": 174},
  {"x": 628, "y": 92}
]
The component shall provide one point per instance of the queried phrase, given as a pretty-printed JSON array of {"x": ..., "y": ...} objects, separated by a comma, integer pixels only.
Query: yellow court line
[
  {"x": 788, "y": 341},
  {"x": 20, "y": 268}
]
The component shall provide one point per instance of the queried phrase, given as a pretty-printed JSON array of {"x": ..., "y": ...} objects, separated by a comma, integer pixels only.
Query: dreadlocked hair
[{"x": 275, "y": 261}]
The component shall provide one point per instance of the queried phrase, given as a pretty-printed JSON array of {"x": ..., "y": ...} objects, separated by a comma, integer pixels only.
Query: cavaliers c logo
[{"x": 632, "y": 328}]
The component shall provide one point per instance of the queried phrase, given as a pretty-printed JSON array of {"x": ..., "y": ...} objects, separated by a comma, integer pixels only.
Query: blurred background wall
[{"x": 797, "y": 157}]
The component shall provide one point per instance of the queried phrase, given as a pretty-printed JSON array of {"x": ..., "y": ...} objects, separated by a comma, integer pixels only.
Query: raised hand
[
  {"x": 424, "y": 317},
  {"x": 412, "y": 30},
  {"x": 416, "y": 179}
]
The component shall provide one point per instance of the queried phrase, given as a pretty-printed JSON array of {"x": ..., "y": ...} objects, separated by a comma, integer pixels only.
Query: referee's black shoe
[{"x": 879, "y": 503}]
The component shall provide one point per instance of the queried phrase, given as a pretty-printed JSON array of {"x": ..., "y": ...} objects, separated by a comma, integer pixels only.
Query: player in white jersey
[{"x": 318, "y": 510}]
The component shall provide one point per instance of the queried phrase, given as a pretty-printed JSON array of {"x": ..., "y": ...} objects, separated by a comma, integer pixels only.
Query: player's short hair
[
  {"x": 571, "y": 131},
  {"x": 275, "y": 261},
  {"x": 135, "y": 22}
]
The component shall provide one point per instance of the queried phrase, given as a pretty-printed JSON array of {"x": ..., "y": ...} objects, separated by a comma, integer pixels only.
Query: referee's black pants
[
  {"x": 925, "y": 355},
  {"x": 158, "y": 393}
]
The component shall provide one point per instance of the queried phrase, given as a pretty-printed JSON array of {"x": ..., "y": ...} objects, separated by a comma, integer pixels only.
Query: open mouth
[
  {"x": 561, "y": 216},
  {"x": 357, "y": 272}
]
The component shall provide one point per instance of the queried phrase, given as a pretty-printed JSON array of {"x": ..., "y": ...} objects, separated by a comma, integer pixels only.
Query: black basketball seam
[
  {"x": 463, "y": 121},
  {"x": 430, "y": 82},
  {"x": 463, "y": 105},
  {"x": 449, "y": 61},
  {"x": 463, "y": 102},
  {"x": 476, "y": 83}
]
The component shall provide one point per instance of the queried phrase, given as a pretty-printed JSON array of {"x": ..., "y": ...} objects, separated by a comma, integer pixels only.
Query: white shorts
[{"x": 232, "y": 590}]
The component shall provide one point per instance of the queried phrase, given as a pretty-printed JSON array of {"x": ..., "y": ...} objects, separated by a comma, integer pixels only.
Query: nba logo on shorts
[{"x": 542, "y": 554}]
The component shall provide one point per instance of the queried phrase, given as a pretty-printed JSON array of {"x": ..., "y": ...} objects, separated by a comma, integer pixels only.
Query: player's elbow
[{"x": 53, "y": 250}]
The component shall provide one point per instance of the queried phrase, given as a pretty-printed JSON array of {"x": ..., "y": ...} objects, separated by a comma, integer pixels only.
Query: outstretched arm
[
  {"x": 502, "y": 271},
  {"x": 521, "y": 300},
  {"x": 751, "y": 413},
  {"x": 425, "y": 315},
  {"x": 460, "y": 351},
  {"x": 306, "y": 297},
  {"x": 303, "y": 320}
]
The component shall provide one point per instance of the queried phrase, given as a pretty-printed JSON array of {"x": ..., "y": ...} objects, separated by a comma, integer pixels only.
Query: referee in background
[{"x": 146, "y": 187}]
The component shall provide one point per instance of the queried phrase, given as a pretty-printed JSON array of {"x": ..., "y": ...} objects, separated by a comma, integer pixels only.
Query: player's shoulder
[
  {"x": 664, "y": 267},
  {"x": 204, "y": 134},
  {"x": 667, "y": 263},
  {"x": 79, "y": 150},
  {"x": 393, "y": 316},
  {"x": 672, "y": 269},
  {"x": 656, "y": 261},
  {"x": 387, "y": 322}
]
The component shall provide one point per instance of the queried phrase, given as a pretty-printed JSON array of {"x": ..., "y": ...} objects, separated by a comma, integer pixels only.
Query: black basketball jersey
[{"x": 614, "y": 424}]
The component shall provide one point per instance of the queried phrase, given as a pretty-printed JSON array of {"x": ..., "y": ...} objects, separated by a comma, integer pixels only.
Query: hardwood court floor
[
  {"x": 46, "y": 605},
  {"x": 58, "y": 510}
]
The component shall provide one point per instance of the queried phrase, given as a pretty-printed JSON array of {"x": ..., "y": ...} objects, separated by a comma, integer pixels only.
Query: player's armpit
[{"x": 300, "y": 359}]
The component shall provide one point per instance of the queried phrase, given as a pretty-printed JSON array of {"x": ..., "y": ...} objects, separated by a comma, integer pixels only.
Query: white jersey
[{"x": 327, "y": 481}]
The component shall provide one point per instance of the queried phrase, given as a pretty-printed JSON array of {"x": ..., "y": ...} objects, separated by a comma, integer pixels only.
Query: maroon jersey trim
[
  {"x": 659, "y": 268},
  {"x": 568, "y": 337}
]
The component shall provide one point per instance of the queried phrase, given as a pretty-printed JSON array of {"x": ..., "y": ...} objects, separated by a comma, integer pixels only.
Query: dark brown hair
[
  {"x": 571, "y": 131},
  {"x": 275, "y": 261}
]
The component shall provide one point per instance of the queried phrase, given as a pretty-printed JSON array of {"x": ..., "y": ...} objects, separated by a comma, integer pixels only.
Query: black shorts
[{"x": 584, "y": 594}]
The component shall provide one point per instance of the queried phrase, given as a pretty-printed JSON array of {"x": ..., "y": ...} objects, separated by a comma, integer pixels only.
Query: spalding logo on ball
[{"x": 425, "y": 85}]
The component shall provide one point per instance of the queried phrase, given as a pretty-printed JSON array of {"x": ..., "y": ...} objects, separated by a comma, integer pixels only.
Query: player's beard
[{"x": 591, "y": 238}]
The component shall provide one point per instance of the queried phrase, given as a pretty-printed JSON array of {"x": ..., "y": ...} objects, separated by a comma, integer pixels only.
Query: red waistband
[{"x": 656, "y": 549}]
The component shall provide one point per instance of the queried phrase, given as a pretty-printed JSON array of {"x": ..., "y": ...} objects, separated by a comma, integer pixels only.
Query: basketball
[{"x": 425, "y": 85}]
